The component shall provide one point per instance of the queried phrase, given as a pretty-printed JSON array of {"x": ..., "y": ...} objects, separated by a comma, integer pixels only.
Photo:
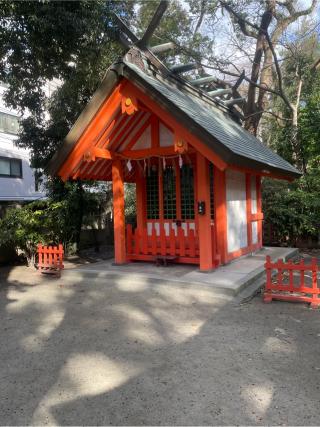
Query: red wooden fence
[
  {"x": 141, "y": 246},
  {"x": 50, "y": 258},
  {"x": 282, "y": 286}
]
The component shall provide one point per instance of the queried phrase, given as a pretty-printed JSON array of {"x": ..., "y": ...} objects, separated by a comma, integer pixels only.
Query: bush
[
  {"x": 39, "y": 222},
  {"x": 293, "y": 209}
]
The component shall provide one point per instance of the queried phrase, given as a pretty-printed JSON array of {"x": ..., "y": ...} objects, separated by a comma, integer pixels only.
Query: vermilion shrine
[{"x": 197, "y": 171}]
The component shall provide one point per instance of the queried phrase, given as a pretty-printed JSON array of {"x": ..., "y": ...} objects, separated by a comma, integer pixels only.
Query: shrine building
[{"x": 197, "y": 170}]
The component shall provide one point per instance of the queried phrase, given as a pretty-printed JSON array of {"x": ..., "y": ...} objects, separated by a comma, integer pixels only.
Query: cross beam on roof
[
  {"x": 231, "y": 102},
  {"x": 203, "y": 80},
  {"x": 124, "y": 41},
  {"x": 153, "y": 23},
  {"x": 220, "y": 92},
  {"x": 123, "y": 26},
  {"x": 162, "y": 47},
  {"x": 239, "y": 81},
  {"x": 183, "y": 68}
]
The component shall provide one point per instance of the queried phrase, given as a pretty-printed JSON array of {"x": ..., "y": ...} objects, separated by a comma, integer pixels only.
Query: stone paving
[
  {"x": 115, "y": 352},
  {"x": 227, "y": 280}
]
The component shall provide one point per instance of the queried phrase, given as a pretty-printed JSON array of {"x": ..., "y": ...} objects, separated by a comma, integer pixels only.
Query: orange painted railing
[
  {"x": 142, "y": 246},
  {"x": 50, "y": 258},
  {"x": 282, "y": 285}
]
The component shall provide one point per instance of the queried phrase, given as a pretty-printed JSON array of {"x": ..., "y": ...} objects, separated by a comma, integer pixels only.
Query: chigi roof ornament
[{"x": 140, "y": 53}]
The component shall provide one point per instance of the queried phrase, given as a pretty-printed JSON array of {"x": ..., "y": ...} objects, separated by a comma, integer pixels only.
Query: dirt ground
[{"x": 161, "y": 354}]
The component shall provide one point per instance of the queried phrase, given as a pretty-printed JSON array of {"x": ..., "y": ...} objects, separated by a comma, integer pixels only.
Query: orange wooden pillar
[
  {"x": 259, "y": 208},
  {"x": 249, "y": 209},
  {"x": 220, "y": 214},
  {"x": 204, "y": 220},
  {"x": 118, "y": 212},
  {"x": 141, "y": 202}
]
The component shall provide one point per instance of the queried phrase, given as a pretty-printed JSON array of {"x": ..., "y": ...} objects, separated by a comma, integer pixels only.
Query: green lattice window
[
  {"x": 187, "y": 192},
  {"x": 152, "y": 194},
  {"x": 169, "y": 193}
]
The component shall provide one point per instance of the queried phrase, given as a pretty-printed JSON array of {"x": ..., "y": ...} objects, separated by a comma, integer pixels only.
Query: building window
[
  {"x": 152, "y": 194},
  {"x": 187, "y": 192},
  {"x": 9, "y": 123},
  {"x": 10, "y": 167},
  {"x": 169, "y": 193}
]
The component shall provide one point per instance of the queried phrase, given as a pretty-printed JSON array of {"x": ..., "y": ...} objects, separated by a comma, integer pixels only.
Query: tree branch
[{"x": 241, "y": 21}]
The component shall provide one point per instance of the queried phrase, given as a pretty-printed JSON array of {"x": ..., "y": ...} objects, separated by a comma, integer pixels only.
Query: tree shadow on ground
[{"x": 140, "y": 354}]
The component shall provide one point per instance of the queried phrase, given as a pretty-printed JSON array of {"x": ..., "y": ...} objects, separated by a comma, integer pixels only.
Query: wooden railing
[
  {"x": 50, "y": 259},
  {"x": 184, "y": 246},
  {"x": 283, "y": 284}
]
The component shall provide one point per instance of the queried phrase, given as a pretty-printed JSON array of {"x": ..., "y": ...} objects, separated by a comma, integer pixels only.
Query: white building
[{"x": 17, "y": 179}]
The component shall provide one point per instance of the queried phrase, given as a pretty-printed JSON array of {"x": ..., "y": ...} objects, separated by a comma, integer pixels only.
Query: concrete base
[{"x": 227, "y": 281}]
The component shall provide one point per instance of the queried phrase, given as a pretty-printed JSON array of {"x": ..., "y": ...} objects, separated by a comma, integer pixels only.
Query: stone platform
[{"x": 227, "y": 281}]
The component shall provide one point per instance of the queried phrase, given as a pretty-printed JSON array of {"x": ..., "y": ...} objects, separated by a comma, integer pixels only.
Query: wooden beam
[
  {"x": 124, "y": 41},
  {"x": 153, "y": 23},
  {"x": 203, "y": 80},
  {"x": 141, "y": 201},
  {"x": 261, "y": 173},
  {"x": 220, "y": 92},
  {"x": 155, "y": 132},
  {"x": 249, "y": 209},
  {"x": 204, "y": 220},
  {"x": 231, "y": 102},
  {"x": 220, "y": 214},
  {"x": 183, "y": 68},
  {"x": 170, "y": 122},
  {"x": 259, "y": 208},
  {"x": 123, "y": 26},
  {"x": 86, "y": 140},
  {"x": 96, "y": 152},
  {"x": 105, "y": 134},
  {"x": 122, "y": 121},
  {"x": 148, "y": 152},
  {"x": 120, "y": 139},
  {"x": 164, "y": 47},
  {"x": 118, "y": 212},
  {"x": 137, "y": 135}
]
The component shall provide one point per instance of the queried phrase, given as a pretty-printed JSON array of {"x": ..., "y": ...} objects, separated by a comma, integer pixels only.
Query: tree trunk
[
  {"x": 295, "y": 143},
  {"x": 251, "y": 109}
]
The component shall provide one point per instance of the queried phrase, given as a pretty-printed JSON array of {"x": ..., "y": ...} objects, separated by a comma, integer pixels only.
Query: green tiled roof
[{"x": 219, "y": 124}]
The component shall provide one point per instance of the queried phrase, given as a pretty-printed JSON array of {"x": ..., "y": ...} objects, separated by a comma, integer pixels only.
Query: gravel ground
[{"x": 97, "y": 354}]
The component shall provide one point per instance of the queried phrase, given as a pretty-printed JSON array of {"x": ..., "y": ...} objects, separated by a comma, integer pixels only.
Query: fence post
[
  {"x": 267, "y": 294},
  {"x": 314, "y": 272},
  {"x": 50, "y": 258},
  {"x": 302, "y": 292}
]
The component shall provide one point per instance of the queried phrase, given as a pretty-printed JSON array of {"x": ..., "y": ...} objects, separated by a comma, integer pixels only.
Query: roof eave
[
  {"x": 222, "y": 151},
  {"x": 107, "y": 85}
]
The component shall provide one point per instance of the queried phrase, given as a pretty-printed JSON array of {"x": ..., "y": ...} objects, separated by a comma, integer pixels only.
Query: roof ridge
[{"x": 142, "y": 60}]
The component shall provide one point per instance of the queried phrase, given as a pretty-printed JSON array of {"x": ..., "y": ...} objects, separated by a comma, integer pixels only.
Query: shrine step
[{"x": 164, "y": 259}]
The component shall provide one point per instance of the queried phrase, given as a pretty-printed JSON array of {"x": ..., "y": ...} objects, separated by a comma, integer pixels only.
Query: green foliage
[
  {"x": 51, "y": 221},
  {"x": 177, "y": 26},
  {"x": 38, "y": 222},
  {"x": 72, "y": 41},
  {"x": 51, "y": 39},
  {"x": 293, "y": 209},
  {"x": 130, "y": 202}
]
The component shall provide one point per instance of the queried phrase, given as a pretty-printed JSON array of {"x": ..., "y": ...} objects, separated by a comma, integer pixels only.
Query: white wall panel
[
  {"x": 254, "y": 225},
  {"x": 254, "y": 205},
  {"x": 236, "y": 210},
  {"x": 144, "y": 141},
  {"x": 166, "y": 136},
  {"x": 167, "y": 225}
]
